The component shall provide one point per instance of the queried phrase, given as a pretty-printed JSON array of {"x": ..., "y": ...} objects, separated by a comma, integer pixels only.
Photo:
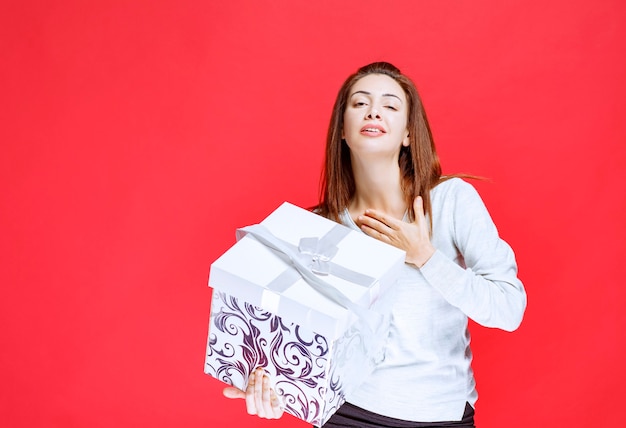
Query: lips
[{"x": 373, "y": 130}]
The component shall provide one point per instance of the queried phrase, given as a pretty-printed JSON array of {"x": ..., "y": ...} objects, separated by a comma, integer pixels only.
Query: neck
[{"x": 377, "y": 186}]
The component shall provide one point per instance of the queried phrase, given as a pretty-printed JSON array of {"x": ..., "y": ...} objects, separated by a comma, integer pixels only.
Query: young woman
[{"x": 382, "y": 176}]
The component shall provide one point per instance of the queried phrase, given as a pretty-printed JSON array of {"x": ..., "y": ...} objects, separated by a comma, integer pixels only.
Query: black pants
[{"x": 351, "y": 416}]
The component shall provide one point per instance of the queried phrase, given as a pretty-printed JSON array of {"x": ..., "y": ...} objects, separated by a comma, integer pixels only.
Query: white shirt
[{"x": 426, "y": 375}]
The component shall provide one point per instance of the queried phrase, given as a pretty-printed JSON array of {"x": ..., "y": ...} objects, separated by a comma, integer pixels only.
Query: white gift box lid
[{"x": 247, "y": 271}]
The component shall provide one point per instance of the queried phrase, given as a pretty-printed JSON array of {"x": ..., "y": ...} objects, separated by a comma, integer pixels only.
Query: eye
[
  {"x": 391, "y": 108},
  {"x": 359, "y": 104}
]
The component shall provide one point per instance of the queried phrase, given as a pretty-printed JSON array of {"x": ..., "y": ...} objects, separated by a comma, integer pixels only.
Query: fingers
[
  {"x": 261, "y": 400},
  {"x": 232, "y": 392},
  {"x": 418, "y": 208},
  {"x": 277, "y": 405},
  {"x": 413, "y": 237},
  {"x": 268, "y": 403},
  {"x": 385, "y": 224},
  {"x": 250, "y": 396},
  {"x": 376, "y": 225},
  {"x": 379, "y": 221},
  {"x": 258, "y": 392}
]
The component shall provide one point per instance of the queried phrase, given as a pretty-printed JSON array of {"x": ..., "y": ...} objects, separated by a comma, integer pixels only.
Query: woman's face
[{"x": 375, "y": 119}]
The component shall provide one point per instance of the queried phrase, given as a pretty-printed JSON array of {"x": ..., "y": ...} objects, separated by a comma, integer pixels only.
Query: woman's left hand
[{"x": 413, "y": 238}]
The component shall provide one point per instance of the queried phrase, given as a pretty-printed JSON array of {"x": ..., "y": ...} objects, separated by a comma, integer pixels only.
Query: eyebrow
[{"x": 368, "y": 93}]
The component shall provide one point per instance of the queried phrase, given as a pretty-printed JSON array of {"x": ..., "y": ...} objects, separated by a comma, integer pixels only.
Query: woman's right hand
[
  {"x": 261, "y": 400},
  {"x": 413, "y": 238}
]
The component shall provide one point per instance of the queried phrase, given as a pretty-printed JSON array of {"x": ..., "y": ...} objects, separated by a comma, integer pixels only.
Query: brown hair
[{"x": 419, "y": 163}]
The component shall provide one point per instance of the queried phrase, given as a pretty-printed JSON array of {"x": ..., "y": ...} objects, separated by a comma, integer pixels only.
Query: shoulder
[
  {"x": 453, "y": 188},
  {"x": 457, "y": 200}
]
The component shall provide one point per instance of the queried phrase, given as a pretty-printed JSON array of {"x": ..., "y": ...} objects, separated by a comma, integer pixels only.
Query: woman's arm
[{"x": 486, "y": 288}]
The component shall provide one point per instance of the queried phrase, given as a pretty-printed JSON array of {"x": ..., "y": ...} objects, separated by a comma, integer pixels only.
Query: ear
[{"x": 406, "y": 141}]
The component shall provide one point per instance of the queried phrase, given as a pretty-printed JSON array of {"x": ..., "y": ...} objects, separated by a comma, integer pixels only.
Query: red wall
[{"x": 136, "y": 136}]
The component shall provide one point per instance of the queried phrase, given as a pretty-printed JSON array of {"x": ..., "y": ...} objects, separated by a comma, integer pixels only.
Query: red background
[{"x": 136, "y": 136}]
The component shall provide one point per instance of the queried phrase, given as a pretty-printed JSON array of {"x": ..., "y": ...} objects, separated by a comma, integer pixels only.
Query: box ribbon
[{"x": 311, "y": 258}]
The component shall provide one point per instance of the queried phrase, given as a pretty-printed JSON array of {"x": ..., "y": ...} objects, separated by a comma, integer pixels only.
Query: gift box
[{"x": 308, "y": 300}]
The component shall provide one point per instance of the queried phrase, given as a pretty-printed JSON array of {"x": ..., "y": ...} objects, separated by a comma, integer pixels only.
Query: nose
[{"x": 373, "y": 113}]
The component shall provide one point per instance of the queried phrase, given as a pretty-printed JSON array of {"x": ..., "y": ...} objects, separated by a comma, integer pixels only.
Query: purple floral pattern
[{"x": 307, "y": 371}]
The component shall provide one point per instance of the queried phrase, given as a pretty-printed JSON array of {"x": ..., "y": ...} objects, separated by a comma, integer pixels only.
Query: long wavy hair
[{"x": 419, "y": 164}]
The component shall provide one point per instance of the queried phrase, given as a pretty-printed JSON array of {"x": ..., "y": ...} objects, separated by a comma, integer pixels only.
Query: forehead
[{"x": 378, "y": 84}]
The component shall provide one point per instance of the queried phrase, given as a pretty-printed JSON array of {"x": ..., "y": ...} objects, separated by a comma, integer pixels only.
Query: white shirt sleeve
[{"x": 475, "y": 270}]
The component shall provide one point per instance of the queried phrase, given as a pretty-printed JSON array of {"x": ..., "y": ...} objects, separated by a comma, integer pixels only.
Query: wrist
[{"x": 421, "y": 259}]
